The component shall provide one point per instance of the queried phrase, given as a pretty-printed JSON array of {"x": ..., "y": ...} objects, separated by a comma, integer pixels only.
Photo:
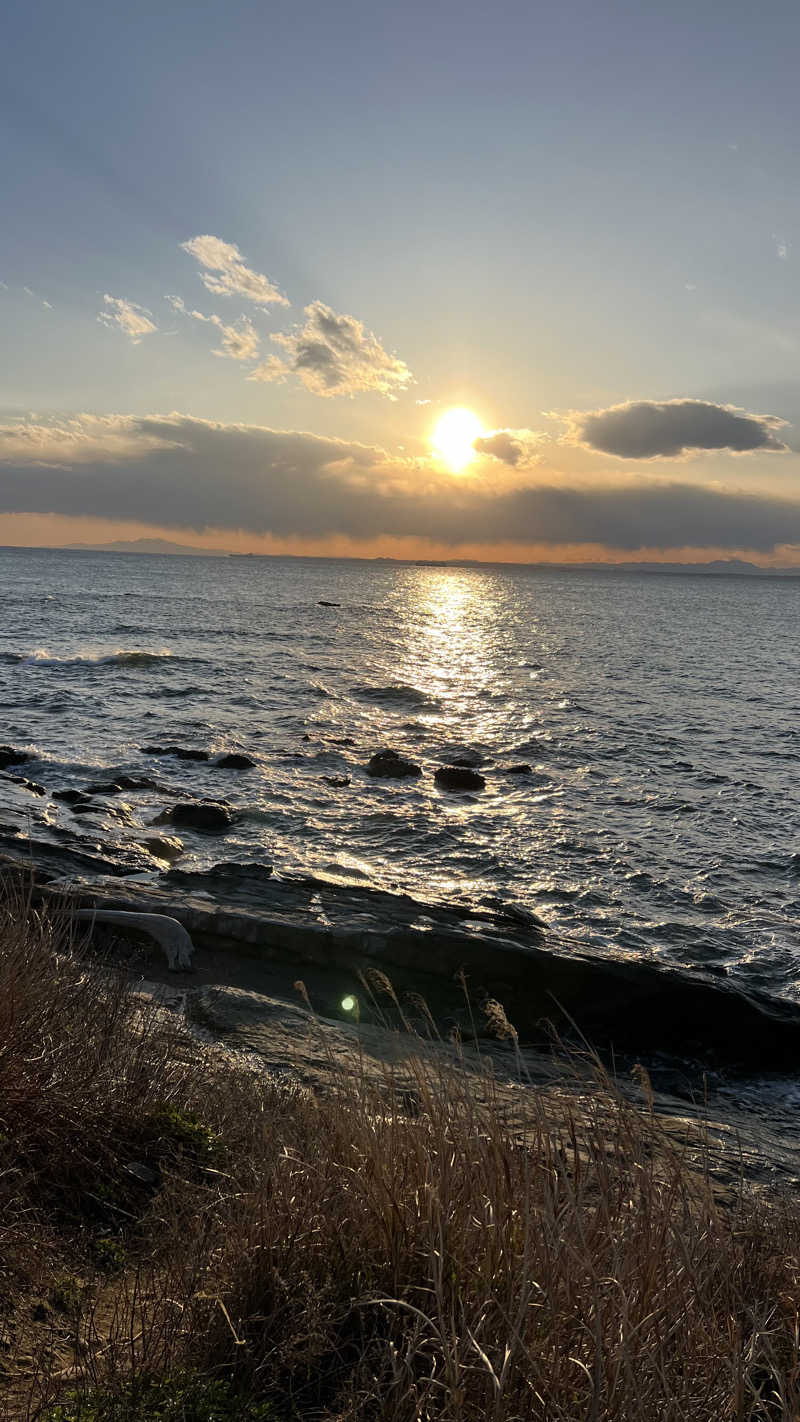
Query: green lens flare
[{"x": 348, "y": 1003}]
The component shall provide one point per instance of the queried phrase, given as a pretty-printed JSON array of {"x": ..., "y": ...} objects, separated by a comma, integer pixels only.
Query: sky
[{"x": 253, "y": 254}]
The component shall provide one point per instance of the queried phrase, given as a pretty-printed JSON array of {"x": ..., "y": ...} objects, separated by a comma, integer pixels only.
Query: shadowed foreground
[{"x": 184, "y": 1236}]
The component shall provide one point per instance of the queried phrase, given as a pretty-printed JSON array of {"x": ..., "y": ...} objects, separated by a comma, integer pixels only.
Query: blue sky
[{"x": 535, "y": 209}]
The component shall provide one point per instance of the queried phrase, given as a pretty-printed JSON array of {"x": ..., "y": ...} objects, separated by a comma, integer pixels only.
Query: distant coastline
[{"x": 718, "y": 567}]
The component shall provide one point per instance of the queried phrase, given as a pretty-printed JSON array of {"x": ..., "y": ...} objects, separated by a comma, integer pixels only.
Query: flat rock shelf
[{"x": 543, "y": 981}]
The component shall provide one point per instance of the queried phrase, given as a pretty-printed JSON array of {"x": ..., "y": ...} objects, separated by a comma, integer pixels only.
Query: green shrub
[
  {"x": 183, "y": 1398},
  {"x": 185, "y": 1129}
]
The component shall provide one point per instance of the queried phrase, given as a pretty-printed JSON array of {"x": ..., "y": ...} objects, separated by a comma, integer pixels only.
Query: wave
[
  {"x": 121, "y": 657},
  {"x": 396, "y": 694}
]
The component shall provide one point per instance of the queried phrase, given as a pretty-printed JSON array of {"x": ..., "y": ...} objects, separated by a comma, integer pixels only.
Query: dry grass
[{"x": 373, "y": 1253}]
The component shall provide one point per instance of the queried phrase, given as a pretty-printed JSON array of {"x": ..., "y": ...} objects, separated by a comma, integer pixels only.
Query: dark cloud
[
  {"x": 179, "y": 472},
  {"x": 647, "y": 429},
  {"x": 505, "y": 445}
]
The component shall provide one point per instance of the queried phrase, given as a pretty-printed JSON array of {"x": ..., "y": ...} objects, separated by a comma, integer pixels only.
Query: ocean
[{"x": 658, "y": 714}]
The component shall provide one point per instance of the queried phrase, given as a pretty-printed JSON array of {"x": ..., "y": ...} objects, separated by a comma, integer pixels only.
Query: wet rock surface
[
  {"x": 459, "y": 777},
  {"x": 120, "y": 783},
  {"x": 234, "y": 760},
  {"x": 10, "y": 756},
  {"x": 617, "y": 1003},
  {"x": 71, "y": 797},
  {"x": 31, "y": 785},
  {"x": 163, "y": 846},
  {"x": 178, "y": 752},
  {"x": 207, "y": 817},
  {"x": 389, "y": 765}
]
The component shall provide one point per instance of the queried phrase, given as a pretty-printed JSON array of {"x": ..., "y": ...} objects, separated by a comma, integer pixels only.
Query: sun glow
[{"x": 454, "y": 438}]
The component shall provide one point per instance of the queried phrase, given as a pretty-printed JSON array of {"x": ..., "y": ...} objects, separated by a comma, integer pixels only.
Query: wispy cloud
[
  {"x": 225, "y": 272},
  {"x": 781, "y": 248},
  {"x": 649, "y": 429},
  {"x": 128, "y": 317},
  {"x": 335, "y": 355},
  {"x": 240, "y": 341}
]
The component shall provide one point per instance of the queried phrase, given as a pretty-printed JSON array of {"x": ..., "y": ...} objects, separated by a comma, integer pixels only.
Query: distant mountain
[
  {"x": 148, "y": 545},
  {"x": 717, "y": 567}
]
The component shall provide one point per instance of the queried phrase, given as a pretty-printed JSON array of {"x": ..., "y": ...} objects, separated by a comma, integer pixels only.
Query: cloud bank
[
  {"x": 335, "y": 355},
  {"x": 225, "y": 272},
  {"x": 646, "y": 429},
  {"x": 133, "y": 320},
  {"x": 182, "y": 473}
]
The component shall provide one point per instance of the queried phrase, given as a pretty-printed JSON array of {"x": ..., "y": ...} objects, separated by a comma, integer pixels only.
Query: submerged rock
[
  {"x": 469, "y": 759},
  {"x": 523, "y": 769},
  {"x": 208, "y": 817},
  {"x": 458, "y": 777},
  {"x": 31, "y": 785},
  {"x": 337, "y": 781},
  {"x": 72, "y": 797},
  {"x": 322, "y": 602},
  {"x": 232, "y": 873},
  {"x": 122, "y": 782},
  {"x": 10, "y": 756},
  {"x": 234, "y": 760},
  {"x": 179, "y": 752},
  {"x": 388, "y": 765}
]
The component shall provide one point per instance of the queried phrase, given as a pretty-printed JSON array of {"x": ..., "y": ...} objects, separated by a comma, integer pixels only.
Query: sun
[{"x": 454, "y": 438}]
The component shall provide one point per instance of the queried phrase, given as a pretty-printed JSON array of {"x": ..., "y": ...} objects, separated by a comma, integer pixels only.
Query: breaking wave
[{"x": 121, "y": 657}]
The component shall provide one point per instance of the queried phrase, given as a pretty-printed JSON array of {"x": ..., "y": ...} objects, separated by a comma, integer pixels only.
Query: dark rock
[
  {"x": 388, "y": 765},
  {"x": 10, "y": 756},
  {"x": 323, "y": 603},
  {"x": 122, "y": 782},
  {"x": 458, "y": 777},
  {"x": 71, "y": 797},
  {"x": 337, "y": 781},
  {"x": 231, "y": 875},
  {"x": 141, "y": 1172},
  {"x": 163, "y": 846},
  {"x": 469, "y": 759},
  {"x": 234, "y": 761},
  {"x": 179, "y": 752},
  {"x": 343, "y": 741},
  {"x": 208, "y": 817},
  {"x": 86, "y": 807},
  {"x": 31, "y": 785},
  {"x": 518, "y": 769}
]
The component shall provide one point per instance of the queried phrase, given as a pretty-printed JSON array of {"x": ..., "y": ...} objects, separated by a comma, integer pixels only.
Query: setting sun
[{"x": 454, "y": 438}]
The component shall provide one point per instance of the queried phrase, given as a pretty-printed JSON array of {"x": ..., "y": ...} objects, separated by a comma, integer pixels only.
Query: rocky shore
[
  {"x": 710, "y": 1051},
  {"x": 497, "y": 951}
]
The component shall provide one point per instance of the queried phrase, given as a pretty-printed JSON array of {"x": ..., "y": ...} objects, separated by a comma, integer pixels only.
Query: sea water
[{"x": 658, "y": 715}]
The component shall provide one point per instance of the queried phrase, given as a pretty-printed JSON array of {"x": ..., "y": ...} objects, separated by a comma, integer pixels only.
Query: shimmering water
[{"x": 659, "y": 715}]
